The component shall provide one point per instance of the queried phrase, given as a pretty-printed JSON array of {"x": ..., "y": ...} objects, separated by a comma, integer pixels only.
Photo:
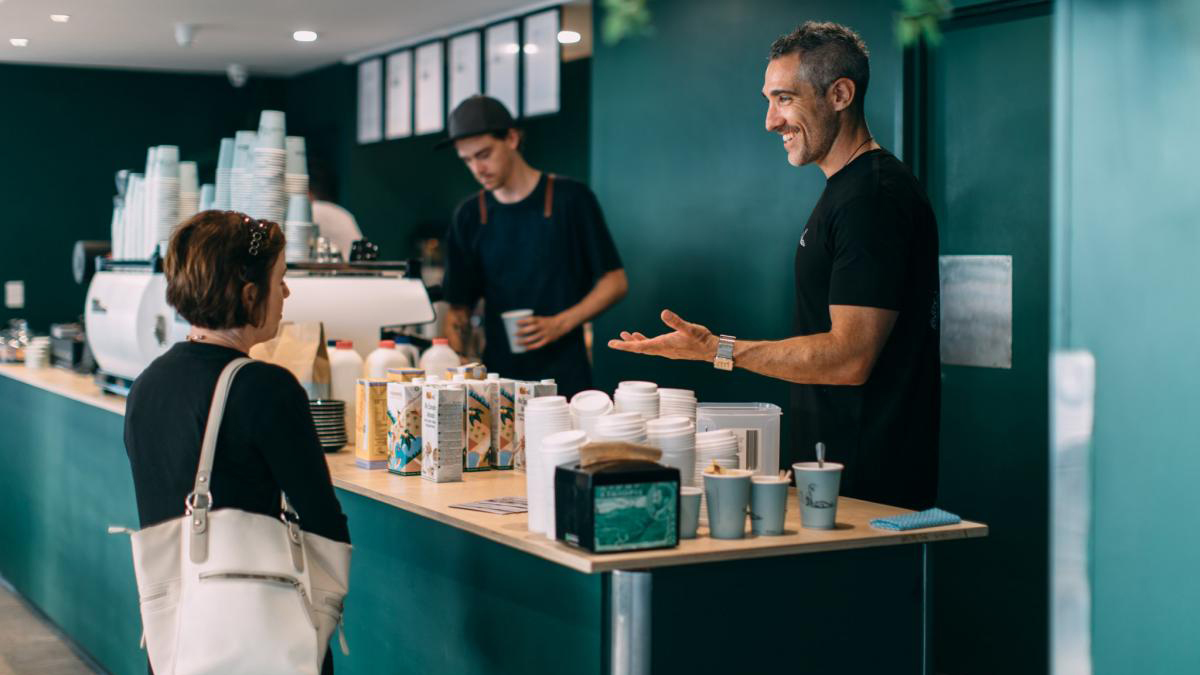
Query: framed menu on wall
[
  {"x": 399, "y": 95},
  {"x": 541, "y": 63},
  {"x": 464, "y": 68},
  {"x": 370, "y": 101},
  {"x": 430, "y": 109},
  {"x": 502, "y": 45}
]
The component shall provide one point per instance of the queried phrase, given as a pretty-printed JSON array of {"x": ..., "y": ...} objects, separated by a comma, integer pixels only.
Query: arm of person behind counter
[
  {"x": 456, "y": 326},
  {"x": 845, "y": 355},
  {"x": 608, "y": 291}
]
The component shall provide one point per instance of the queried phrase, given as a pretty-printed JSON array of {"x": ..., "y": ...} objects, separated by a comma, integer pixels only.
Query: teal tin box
[{"x": 628, "y": 505}]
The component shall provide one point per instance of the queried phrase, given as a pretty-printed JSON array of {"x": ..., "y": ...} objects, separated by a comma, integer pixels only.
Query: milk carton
[
  {"x": 404, "y": 427},
  {"x": 526, "y": 391},
  {"x": 478, "y": 450},
  {"x": 504, "y": 441},
  {"x": 371, "y": 424},
  {"x": 442, "y": 436}
]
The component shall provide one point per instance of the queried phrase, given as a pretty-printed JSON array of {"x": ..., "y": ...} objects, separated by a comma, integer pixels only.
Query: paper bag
[{"x": 300, "y": 347}]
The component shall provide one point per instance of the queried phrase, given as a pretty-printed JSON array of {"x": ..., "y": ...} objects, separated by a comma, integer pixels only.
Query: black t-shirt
[
  {"x": 267, "y": 440},
  {"x": 520, "y": 259},
  {"x": 872, "y": 241}
]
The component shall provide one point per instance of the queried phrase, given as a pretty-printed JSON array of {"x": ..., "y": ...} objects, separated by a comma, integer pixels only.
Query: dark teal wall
[
  {"x": 704, "y": 207},
  {"x": 64, "y": 132},
  {"x": 404, "y": 188},
  {"x": 1127, "y": 287}
]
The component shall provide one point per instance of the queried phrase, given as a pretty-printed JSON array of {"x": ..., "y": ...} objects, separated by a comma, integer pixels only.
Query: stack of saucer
[
  {"x": 620, "y": 426},
  {"x": 221, "y": 199},
  {"x": 587, "y": 407},
  {"x": 720, "y": 446},
  {"x": 675, "y": 435},
  {"x": 189, "y": 190},
  {"x": 544, "y": 416},
  {"x": 639, "y": 397},
  {"x": 677, "y": 402},
  {"x": 329, "y": 416},
  {"x": 241, "y": 174},
  {"x": 295, "y": 180},
  {"x": 270, "y": 161}
]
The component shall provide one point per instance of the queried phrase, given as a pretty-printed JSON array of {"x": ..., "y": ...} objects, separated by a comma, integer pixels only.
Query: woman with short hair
[{"x": 225, "y": 276}]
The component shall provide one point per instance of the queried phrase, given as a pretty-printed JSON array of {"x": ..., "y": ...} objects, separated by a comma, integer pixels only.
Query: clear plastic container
[{"x": 756, "y": 426}]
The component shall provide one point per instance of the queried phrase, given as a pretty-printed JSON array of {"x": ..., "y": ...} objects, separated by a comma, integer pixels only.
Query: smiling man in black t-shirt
[
  {"x": 865, "y": 359},
  {"x": 527, "y": 240}
]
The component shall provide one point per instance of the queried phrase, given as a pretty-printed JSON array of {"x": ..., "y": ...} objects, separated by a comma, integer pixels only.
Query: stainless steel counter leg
[{"x": 630, "y": 623}]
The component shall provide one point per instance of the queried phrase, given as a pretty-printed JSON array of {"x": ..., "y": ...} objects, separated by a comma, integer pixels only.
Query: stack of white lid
[
  {"x": 719, "y": 446},
  {"x": 677, "y": 402},
  {"x": 270, "y": 161},
  {"x": 620, "y": 426},
  {"x": 587, "y": 407},
  {"x": 544, "y": 416},
  {"x": 675, "y": 435},
  {"x": 639, "y": 397}
]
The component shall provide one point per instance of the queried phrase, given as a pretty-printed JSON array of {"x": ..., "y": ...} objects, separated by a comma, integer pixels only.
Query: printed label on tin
[{"x": 635, "y": 516}]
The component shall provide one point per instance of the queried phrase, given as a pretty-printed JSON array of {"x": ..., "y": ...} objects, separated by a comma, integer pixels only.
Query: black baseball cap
[{"x": 477, "y": 115}]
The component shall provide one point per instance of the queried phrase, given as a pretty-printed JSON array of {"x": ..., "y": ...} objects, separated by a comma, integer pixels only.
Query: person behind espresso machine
[{"x": 527, "y": 240}]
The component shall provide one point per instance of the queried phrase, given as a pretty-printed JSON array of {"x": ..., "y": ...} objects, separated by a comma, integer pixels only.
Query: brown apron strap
[
  {"x": 549, "y": 195},
  {"x": 482, "y": 208}
]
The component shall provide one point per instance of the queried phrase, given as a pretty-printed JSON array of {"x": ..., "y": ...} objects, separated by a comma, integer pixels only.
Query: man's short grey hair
[{"x": 828, "y": 52}]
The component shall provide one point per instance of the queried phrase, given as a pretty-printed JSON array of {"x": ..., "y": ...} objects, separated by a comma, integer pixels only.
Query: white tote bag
[{"x": 236, "y": 593}]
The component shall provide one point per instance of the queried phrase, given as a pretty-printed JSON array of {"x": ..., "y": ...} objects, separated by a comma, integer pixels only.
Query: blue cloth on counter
[{"x": 916, "y": 521}]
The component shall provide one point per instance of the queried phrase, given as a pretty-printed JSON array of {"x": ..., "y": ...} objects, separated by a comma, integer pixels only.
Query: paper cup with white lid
[
  {"x": 512, "y": 319},
  {"x": 817, "y": 490}
]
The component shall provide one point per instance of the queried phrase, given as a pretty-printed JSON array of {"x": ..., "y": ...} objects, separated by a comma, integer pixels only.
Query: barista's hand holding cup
[
  {"x": 817, "y": 487},
  {"x": 512, "y": 326},
  {"x": 728, "y": 495}
]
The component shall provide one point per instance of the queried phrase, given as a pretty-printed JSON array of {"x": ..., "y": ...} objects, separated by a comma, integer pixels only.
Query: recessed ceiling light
[
  {"x": 19, "y": 42},
  {"x": 60, "y": 18},
  {"x": 304, "y": 36},
  {"x": 531, "y": 48},
  {"x": 568, "y": 37}
]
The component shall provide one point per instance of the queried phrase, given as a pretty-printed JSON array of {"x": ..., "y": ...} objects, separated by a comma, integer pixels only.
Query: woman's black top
[{"x": 267, "y": 441}]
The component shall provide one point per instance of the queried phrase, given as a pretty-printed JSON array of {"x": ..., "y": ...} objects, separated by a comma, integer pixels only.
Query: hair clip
[{"x": 257, "y": 235}]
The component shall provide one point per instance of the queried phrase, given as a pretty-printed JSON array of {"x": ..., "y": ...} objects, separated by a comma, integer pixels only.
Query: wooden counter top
[{"x": 433, "y": 500}]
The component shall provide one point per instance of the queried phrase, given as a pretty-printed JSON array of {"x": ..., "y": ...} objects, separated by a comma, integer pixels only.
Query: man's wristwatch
[{"x": 724, "y": 360}]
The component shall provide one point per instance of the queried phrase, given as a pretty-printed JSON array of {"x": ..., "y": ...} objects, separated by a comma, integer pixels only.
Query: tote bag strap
[{"x": 199, "y": 502}]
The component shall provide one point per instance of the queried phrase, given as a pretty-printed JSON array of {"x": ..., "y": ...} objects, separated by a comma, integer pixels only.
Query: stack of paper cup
[
  {"x": 189, "y": 190},
  {"x": 295, "y": 178},
  {"x": 639, "y": 397},
  {"x": 558, "y": 449},
  {"x": 718, "y": 446},
  {"x": 221, "y": 198},
  {"x": 587, "y": 407},
  {"x": 270, "y": 162},
  {"x": 208, "y": 195},
  {"x": 627, "y": 426},
  {"x": 164, "y": 194},
  {"x": 676, "y": 437},
  {"x": 241, "y": 175},
  {"x": 299, "y": 230},
  {"x": 37, "y": 354},
  {"x": 544, "y": 415},
  {"x": 677, "y": 402}
]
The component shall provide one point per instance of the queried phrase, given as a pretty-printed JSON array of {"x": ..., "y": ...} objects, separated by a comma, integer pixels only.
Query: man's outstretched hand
[{"x": 689, "y": 341}]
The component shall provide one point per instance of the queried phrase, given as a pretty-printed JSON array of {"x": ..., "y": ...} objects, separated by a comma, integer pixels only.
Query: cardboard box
[
  {"x": 442, "y": 431},
  {"x": 504, "y": 429},
  {"x": 404, "y": 428},
  {"x": 478, "y": 450},
  {"x": 526, "y": 391},
  {"x": 371, "y": 424}
]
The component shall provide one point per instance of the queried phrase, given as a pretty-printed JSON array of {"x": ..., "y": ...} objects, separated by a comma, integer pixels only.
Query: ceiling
[{"x": 140, "y": 34}]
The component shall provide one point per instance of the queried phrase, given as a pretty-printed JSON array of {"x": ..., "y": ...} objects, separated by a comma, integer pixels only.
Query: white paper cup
[
  {"x": 511, "y": 318},
  {"x": 817, "y": 490}
]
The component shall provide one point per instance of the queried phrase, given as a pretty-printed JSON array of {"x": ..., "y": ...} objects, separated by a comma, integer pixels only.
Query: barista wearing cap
[
  {"x": 864, "y": 361},
  {"x": 527, "y": 240}
]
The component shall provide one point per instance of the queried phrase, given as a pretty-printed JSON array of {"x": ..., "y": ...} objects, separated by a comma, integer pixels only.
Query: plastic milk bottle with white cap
[
  {"x": 345, "y": 367},
  {"x": 439, "y": 357},
  {"x": 385, "y": 356}
]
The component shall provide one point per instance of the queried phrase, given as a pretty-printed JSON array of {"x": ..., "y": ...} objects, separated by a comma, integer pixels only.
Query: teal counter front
[{"x": 441, "y": 590}]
